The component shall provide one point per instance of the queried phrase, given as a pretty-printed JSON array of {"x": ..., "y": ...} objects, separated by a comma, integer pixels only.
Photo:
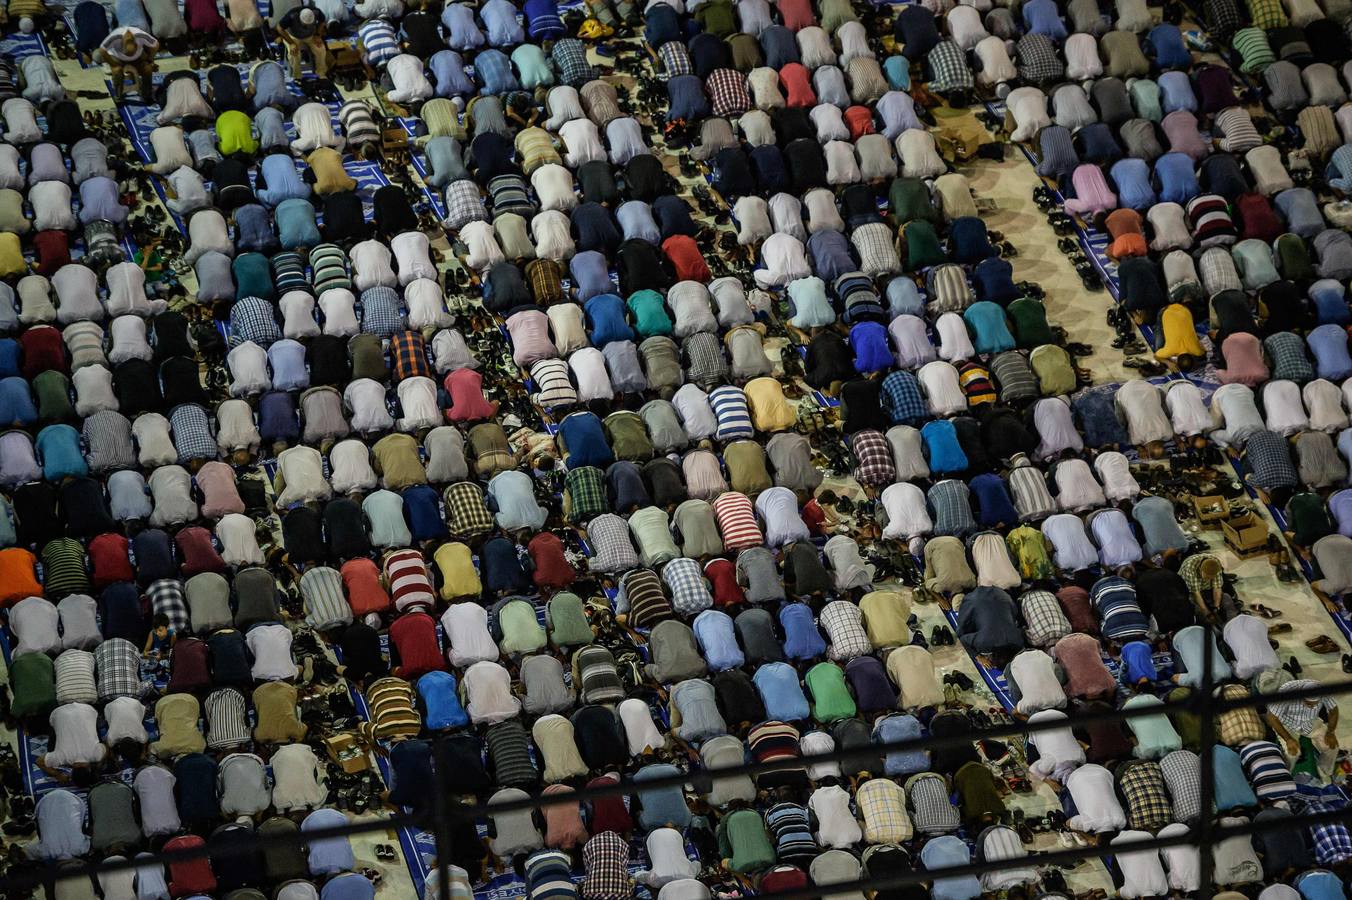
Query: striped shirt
[
  {"x": 733, "y": 413},
  {"x": 378, "y": 39},
  {"x": 554, "y": 389},
  {"x": 328, "y": 263},
  {"x": 736, "y": 520},
  {"x": 227, "y": 724},
  {"x": 63, "y": 568},
  {"x": 509, "y": 754},
  {"x": 321, "y": 590},
  {"x": 409, "y": 583},
  {"x": 75, "y": 677},
  {"x": 107, "y": 439}
]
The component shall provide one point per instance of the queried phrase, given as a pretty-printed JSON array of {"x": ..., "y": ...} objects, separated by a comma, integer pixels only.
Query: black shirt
[
  {"x": 732, "y": 173},
  {"x": 490, "y": 155},
  {"x": 595, "y": 229},
  {"x": 36, "y": 513},
  {"x": 182, "y": 380},
  {"x": 230, "y": 183},
  {"x": 393, "y": 213},
  {"x": 1163, "y": 593},
  {"x": 227, "y": 92},
  {"x": 645, "y": 179},
  {"x": 665, "y": 483},
  {"x": 916, "y": 31},
  {"x": 597, "y": 182},
  {"x": 172, "y": 336},
  {"x": 302, "y": 535},
  {"x": 346, "y": 529},
  {"x": 641, "y": 267},
  {"x": 828, "y": 360},
  {"x": 806, "y": 164},
  {"x": 506, "y": 288},
  {"x": 707, "y": 53},
  {"x": 327, "y": 358},
  {"x": 860, "y": 401},
  {"x": 599, "y": 739},
  {"x": 1005, "y": 434},
  {"x": 360, "y": 644},
  {"x": 137, "y": 386},
  {"x": 673, "y": 216},
  {"x": 344, "y": 221},
  {"x": 229, "y": 659},
  {"x": 791, "y": 123},
  {"x": 86, "y": 508},
  {"x": 1220, "y": 174},
  {"x": 737, "y": 698},
  {"x": 422, "y": 34},
  {"x": 804, "y": 572},
  {"x": 154, "y": 556}
]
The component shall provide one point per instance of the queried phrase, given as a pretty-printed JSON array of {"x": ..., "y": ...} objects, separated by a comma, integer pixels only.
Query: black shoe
[
  {"x": 961, "y": 680},
  {"x": 20, "y": 827},
  {"x": 918, "y": 639},
  {"x": 937, "y": 636},
  {"x": 1347, "y": 663},
  {"x": 1293, "y": 667},
  {"x": 948, "y": 636}
]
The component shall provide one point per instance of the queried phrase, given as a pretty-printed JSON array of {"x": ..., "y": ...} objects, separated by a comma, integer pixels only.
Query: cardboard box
[
  {"x": 1245, "y": 533},
  {"x": 1210, "y": 508},
  {"x": 346, "y": 750}
]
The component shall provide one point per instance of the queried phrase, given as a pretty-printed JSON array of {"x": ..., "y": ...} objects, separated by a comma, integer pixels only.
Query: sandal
[
  {"x": 594, "y": 30},
  {"x": 1323, "y": 644}
]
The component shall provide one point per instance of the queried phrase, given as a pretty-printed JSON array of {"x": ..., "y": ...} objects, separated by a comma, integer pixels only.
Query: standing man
[
  {"x": 130, "y": 51},
  {"x": 303, "y": 29}
]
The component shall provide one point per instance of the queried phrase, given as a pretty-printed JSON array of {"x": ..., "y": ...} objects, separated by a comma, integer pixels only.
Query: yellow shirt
[
  {"x": 11, "y": 256},
  {"x": 770, "y": 410},
  {"x": 885, "y": 614},
  {"x": 326, "y": 164},
  {"x": 1180, "y": 334},
  {"x": 459, "y": 578},
  {"x": 234, "y": 132}
]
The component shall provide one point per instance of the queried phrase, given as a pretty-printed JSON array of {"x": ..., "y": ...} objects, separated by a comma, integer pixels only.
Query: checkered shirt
[
  {"x": 675, "y": 59},
  {"x": 932, "y": 811},
  {"x": 586, "y": 488},
  {"x": 1045, "y": 621},
  {"x": 883, "y": 805},
  {"x": 612, "y": 551},
  {"x": 874, "y": 457},
  {"x": 1222, "y": 17},
  {"x": 1237, "y": 727},
  {"x": 948, "y": 69},
  {"x": 877, "y": 249},
  {"x": 704, "y": 360},
  {"x": 685, "y": 582},
  {"x": 464, "y": 204},
  {"x": 1268, "y": 457},
  {"x": 1182, "y": 774},
  {"x": 380, "y": 311},
  {"x": 950, "y": 503},
  {"x": 902, "y": 399},
  {"x": 545, "y": 280},
  {"x": 1191, "y": 573},
  {"x": 570, "y": 60},
  {"x": 1296, "y": 716},
  {"x": 466, "y": 512},
  {"x": 1267, "y": 14},
  {"x": 408, "y": 353},
  {"x": 253, "y": 319},
  {"x": 118, "y": 664},
  {"x": 606, "y": 858},
  {"x": 844, "y": 626},
  {"x": 1289, "y": 359},
  {"x": 1332, "y": 842},
  {"x": 1142, "y": 785},
  {"x": 166, "y": 597},
  {"x": 727, "y": 92},
  {"x": 1037, "y": 59},
  {"x": 191, "y": 429},
  {"x": 494, "y": 69},
  {"x": 1216, "y": 268}
]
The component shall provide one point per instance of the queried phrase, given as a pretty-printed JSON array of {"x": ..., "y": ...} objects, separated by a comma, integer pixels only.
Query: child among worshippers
[{"x": 161, "y": 639}]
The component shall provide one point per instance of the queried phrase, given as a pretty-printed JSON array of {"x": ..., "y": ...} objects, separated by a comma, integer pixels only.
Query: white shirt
[
  {"x": 841, "y": 166},
  {"x": 298, "y": 315},
  {"x": 1184, "y": 862},
  {"x": 583, "y": 140},
  {"x": 302, "y": 472},
  {"x": 1234, "y": 410},
  {"x": 418, "y": 400},
  {"x": 239, "y": 547},
  {"x": 943, "y": 392},
  {"x": 76, "y": 730},
  {"x": 295, "y": 775},
  {"x": 911, "y": 340},
  {"x": 350, "y": 465},
  {"x": 1092, "y": 790},
  {"x": 127, "y": 292},
  {"x": 837, "y": 827},
  {"x": 314, "y": 124},
  {"x": 1116, "y": 541},
  {"x": 1058, "y": 750},
  {"x": 786, "y": 214},
  {"x": 1142, "y": 871},
  {"x": 785, "y": 259},
  {"x": 667, "y": 858},
  {"x": 1324, "y": 401},
  {"x": 235, "y": 428},
  {"x": 625, "y": 137},
  {"x": 1139, "y": 404},
  {"x": 996, "y": 66},
  {"x": 126, "y": 721},
  {"x": 778, "y": 510},
  {"x": 1028, "y": 106},
  {"x": 639, "y": 730},
  {"x": 994, "y": 568},
  {"x": 1114, "y": 471},
  {"x": 819, "y": 742},
  {"x": 271, "y": 648},
  {"x": 1055, "y": 425},
  {"x": 955, "y": 344},
  {"x": 424, "y": 299},
  {"x": 154, "y": 446},
  {"x": 248, "y": 364},
  {"x": 171, "y": 491},
  {"x": 410, "y": 81},
  {"x": 79, "y": 622},
  {"x": 1072, "y": 547},
  {"x": 35, "y": 620},
  {"x": 190, "y": 191},
  {"x": 77, "y": 290},
  {"x": 684, "y": 889},
  {"x": 481, "y": 244},
  {"x": 1072, "y": 107},
  {"x": 564, "y": 104},
  {"x": 829, "y": 121},
  {"x": 466, "y": 628},
  {"x": 93, "y": 390},
  {"x": 552, "y": 232},
  {"x": 1039, "y": 689},
  {"x": 1247, "y": 638},
  {"x": 697, "y": 416},
  {"x": 412, "y": 257},
  {"x": 589, "y": 371},
  {"x": 1076, "y": 487},
  {"x": 366, "y": 398},
  {"x": 1187, "y": 411},
  {"x": 1285, "y": 411},
  {"x": 488, "y": 687},
  {"x": 919, "y": 156},
  {"x": 907, "y": 512},
  {"x": 339, "y": 307},
  {"x": 371, "y": 266},
  {"x": 554, "y": 185},
  {"x": 1082, "y": 57}
]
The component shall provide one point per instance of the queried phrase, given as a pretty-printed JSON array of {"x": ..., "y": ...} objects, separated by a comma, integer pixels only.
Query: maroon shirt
[
  {"x": 108, "y": 552},
  {"x": 415, "y": 638},
  {"x": 198, "y": 552},
  {"x": 552, "y": 569}
]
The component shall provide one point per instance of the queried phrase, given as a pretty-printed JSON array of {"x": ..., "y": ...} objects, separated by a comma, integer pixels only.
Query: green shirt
[
  {"x": 650, "y": 313},
  {"x": 52, "y": 390},
  {"x": 909, "y": 199},
  {"x": 1309, "y": 518},
  {"x": 831, "y": 699},
  {"x": 586, "y": 490},
  {"x": 922, "y": 246},
  {"x": 1030, "y": 323},
  {"x": 717, "y": 18},
  {"x": 743, "y": 841},
  {"x": 234, "y": 129},
  {"x": 368, "y": 357},
  {"x": 628, "y": 436},
  {"x": 567, "y": 621},
  {"x": 32, "y": 680}
]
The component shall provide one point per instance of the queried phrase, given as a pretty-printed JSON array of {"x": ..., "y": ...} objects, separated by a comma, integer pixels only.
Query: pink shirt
[
  {"x": 1092, "y": 194},
  {"x": 1243, "y": 361},
  {"x": 468, "y": 403}
]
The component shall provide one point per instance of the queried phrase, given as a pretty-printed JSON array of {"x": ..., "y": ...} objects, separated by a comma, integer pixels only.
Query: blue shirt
[
  {"x": 902, "y": 400},
  {"x": 993, "y": 500},
  {"x": 994, "y": 279},
  {"x": 442, "y": 706},
  {"x": 9, "y": 357},
  {"x": 328, "y": 855},
  {"x": 591, "y": 275},
  {"x": 585, "y": 440},
  {"x": 780, "y": 692},
  {"x": 718, "y": 640},
  {"x": 903, "y": 297},
  {"x": 636, "y": 221},
  {"x": 448, "y": 69},
  {"x": 16, "y": 402},
  {"x": 500, "y": 567},
  {"x": 62, "y": 456},
  {"x": 942, "y": 450},
  {"x": 1043, "y": 17},
  {"x": 1330, "y": 302},
  {"x": 802, "y": 639},
  {"x": 947, "y": 851},
  {"x": 901, "y": 762},
  {"x": 1138, "y": 661},
  {"x": 1232, "y": 787},
  {"x": 871, "y": 350},
  {"x": 494, "y": 70},
  {"x": 1165, "y": 44},
  {"x": 1328, "y": 343},
  {"x": 664, "y": 805},
  {"x": 990, "y": 331},
  {"x": 283, "y": 180},
  {"x": 348, "y": 886},
  {"x": 461, "y": 29},
  {"x": 499, "y": 17},
  {"x": 1176, "y": 179},
  {"x": 422, "y": 512},
  {"x": 1132, "y": 177},
  {"x": 1176, "y": 92}
]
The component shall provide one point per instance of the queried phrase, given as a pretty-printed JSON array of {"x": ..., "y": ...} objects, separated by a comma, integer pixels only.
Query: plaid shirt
[
  {"x": 1332, "y": 843},
  {"x": 253, "y": 319},
  {"x": 876, "y": 246},
  {"x": 684, "y": 579},
  {"x": 1142, "y": 786},
  {"x": 408, "y": 352},
  {"x": 192, "y": 433},
  {"x": 1045, "y": 620},
  {"x": 1222, "y": 17},
  {"x": 586, "y": 487},
  {"x": 874, "y": 456},
  {"x": 902, "y": 399},
  {"x": 704, "y": 360},
  {"x": 612, "y": 551},
  {"x": 166, "y": 597},
  {"x": 727, "y": 92},
  {"x": 570, "y": 59},
  {"x": 950, "y": 503},
  {"x": 844, "y": 626},
  {"x": 1182, "y": 774},
  {"x": 1191, "y": 573},
  {"x": 380, "y": 311},
  {"x": 1037, "y": 59},
  {"x": 882, "y": 803},
  {"x": 464, "y": 204},
  {"x": 1267, "y": 14},
  {"x": 675, "y": 59},
  {"x": 1237, "y": 727},
  {"x": 1297, "y": 716},
  {"x": 606, "y": 858},
  {"x": 931, "y": 810},
  {"x": 1216, "y": 268},
  {"x": 948, "y": 69},
  {"x": 1289, "y": 359},
  {"x": 545, "y": 280},
  {"x": 466, "y": 512},
  {"x": 118, "y": 664},
  {"x": 1268, "y": 458}
]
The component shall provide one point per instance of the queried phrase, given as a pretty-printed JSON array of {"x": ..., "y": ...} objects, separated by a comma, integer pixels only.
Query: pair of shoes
[
  {"x": 941, "y": 635},
  {"x": 961, "y": 679}
]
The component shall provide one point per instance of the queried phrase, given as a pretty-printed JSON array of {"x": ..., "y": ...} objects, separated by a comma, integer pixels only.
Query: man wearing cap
[{"x": 303, "y": 29}]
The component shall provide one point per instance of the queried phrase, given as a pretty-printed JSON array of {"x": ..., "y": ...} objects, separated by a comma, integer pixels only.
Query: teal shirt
[{"x": 650, "y": 313}]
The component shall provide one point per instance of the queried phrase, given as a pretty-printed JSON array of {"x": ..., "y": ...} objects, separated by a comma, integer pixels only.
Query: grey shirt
[{"x": 790, "y": 456}]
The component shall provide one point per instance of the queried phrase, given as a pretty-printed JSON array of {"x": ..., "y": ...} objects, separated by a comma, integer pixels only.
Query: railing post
[{"x": 1207, "y": 708}]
